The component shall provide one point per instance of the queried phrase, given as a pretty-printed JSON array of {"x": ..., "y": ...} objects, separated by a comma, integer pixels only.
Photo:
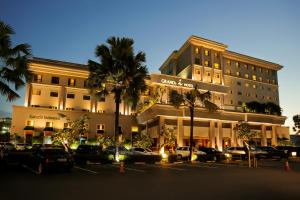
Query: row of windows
[
  {"x": 55, "y": 80},
  {"x": 207, "y": 63},
  {"x": 254, "y": 77},
  {"x": 252, "y": 67},
  {"x": 206, "y": 52},
  {"x": 247, "y": 94},
  {"x": 254, "y": 86}
]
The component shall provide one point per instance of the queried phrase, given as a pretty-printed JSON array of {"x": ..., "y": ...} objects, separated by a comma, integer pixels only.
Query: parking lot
[{"x": 179, "y": 180}]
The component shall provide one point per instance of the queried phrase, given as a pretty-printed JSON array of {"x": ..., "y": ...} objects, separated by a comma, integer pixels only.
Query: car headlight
[
  {"x": 294, "y": 153},
  {"x": 227, "y": 155}
]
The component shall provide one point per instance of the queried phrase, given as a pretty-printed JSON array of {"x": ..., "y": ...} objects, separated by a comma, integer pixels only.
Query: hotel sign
[
  {"x": 176, "y": 83},
  {"x": 43, "y": 117}
]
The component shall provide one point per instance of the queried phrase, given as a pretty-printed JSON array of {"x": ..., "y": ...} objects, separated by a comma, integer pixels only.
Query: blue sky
[{"x": 69, "y": 30}]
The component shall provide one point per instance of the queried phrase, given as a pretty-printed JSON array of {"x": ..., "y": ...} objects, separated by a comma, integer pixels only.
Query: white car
[
  {"x": 184, "y": 152},
  {"x": 141, "y": 151}
]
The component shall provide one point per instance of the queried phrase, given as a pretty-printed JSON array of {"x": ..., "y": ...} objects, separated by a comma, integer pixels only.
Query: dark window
[
  {"x": 55, "y": 80},
  {"x": 86, "y": 97},
  {"x": 85, "y": 84},
  {"x": 197, "y": 61},
  {"x": 37, "y": 78},
  {"x": 240, "y": 103},
  {"x": 53, "y": 94},
  {"x": 102, "y": 99},
  {"x": 239, "y": 83},
  {"x": 70, "y": 96},
  {"x": 239, "y": 93}
]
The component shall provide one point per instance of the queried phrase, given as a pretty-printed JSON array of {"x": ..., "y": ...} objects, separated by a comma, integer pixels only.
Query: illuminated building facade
[{"x": 232, "y": 79}]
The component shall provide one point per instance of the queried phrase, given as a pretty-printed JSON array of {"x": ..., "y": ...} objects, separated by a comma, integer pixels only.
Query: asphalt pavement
[{"x": 159, "y": 181}]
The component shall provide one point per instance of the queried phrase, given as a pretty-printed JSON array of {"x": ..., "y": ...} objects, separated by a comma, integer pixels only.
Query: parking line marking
[
  {"x": 167, "y": 167},
  {"x": 198, "y": 166},
  {"x": 30, "y": 169},
  {"x": 130, "y": 169},
  {"x": 87, "y": 170}
]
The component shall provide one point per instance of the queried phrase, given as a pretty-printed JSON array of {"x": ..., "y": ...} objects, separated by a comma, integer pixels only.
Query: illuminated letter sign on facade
[{"x": 179, "y": 83}]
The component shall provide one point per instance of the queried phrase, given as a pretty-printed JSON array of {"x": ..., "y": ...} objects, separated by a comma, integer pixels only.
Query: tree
[
  {"x": 105, "y": 141},
  {"x": 243, "y": 131},
  {"x": 120, "y": 72},
  {"x": 263, "y": 108},
  {"x": 296, "y": 127},
  {"x": 169, "y": 135},
  {"x": 143, "y": 140},
  {"x": 192, "y": 99},
  {"x": 14, "y": 66},
  {"x": 72, "y": 133}
]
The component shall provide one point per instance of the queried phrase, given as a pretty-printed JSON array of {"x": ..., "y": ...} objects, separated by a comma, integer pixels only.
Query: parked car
[
  {"x": 138, "y": 154},
  {"x": 257, "y": 152},
  {"x": 48, "y": 158},
  {"x": 184, "y": 152},
  {"x": 235, "y": 153},
  {"x": 212, "y": 153},
  {"x": 22, "y": 146},
  {"x": 7, "y": 145},
  {"x": 273, "y": 152},
  {"x": 290, "y": 151},
  {"x": 91, "y": 153}
]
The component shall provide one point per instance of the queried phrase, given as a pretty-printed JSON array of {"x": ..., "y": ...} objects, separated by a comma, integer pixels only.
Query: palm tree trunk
[
  {"x": 117, "y": 101},
  {"x": 191, "y": 132}
]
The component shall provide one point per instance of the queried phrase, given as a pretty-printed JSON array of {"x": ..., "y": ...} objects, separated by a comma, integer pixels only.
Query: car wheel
[{"x": 40, "y": 168}]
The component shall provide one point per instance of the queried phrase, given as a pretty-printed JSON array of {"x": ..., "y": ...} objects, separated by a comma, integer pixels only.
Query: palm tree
[
  {"x": 120, "y": 72},
  {"x": 191, "y": 99},
  {"x": 13, "y": 63}
]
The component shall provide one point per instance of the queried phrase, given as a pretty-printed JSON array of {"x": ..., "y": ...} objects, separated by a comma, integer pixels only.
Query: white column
[
  {"x": 212, "y": 133},
  {"x": 274, "y": 136}
]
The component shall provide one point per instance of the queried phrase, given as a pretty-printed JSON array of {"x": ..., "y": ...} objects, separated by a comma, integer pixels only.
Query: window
[
  {"x": 207, "y": 73},
  {"x": 259, "y": 69},
  {"x": 86, "y": 97},
  {"x": 246, "y": 76},
  {"x": 216, "y": 65},
  {"x": 273, "y": 72},
  {"x": 247, "y": 84},
  {"x": 228, "y": 62},
  {"x": 268, "y": 80},
  {"x": 217, "y": 75},
  {"x": 261, "y": 87},
  {"x": 230, "y": 91},
  {"x": 253, "y": 68},
  {"x": 54, "y": 80},
  {"x": 240, "y": 103},
  {"x": 71, "y": 82},
  {"x": 254, "y": 77},
  {"x": 246, "y": 66},
  {"x": 238, "y": 73},
  {"x": 36, "y": 92},
  {"x": 197, "y": 50},
  {"x": 269, "y": 89},
  {"x": 248, "y": 94},
  {"x": 53, "y": 94},
  {"x": 228, "y": 71},
  {"x": 254, "y": 86},
  {"x": 67, "y": 125},
  {"x": 256, "y": 96},
  {"x": 85, "y": 84},
  {"x": 206, "y": 52},
  {"x": 100, "y": 128},
  {"x": 231, "y": 102},
  {"x": 267, "y": 71},
  {"x": 273, "y": 82},
  {"x": 206, "y": 63},
  {"x": 239, "y": 93},
  {"x": 237, "y": 64},
  {"x": 260, "y": 79},
  {"x": 216, "y": 55},
  {"x": 239, "y": 83},
  {"x": 197, "y": 61},
  {"x": 29, "y": 123},
  {"x": 198, "y": 71},
  {"x": 70, "y": 95},
  {"x": 37, "y": 78},
  {"x": 69, "y": 108},
  {"x": 134, "y": 129},
  {"x": 102, "y": 99},
  {"x": 49, "y": 124}
]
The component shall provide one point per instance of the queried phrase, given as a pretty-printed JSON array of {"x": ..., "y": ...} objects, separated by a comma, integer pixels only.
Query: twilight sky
[{"x": 69, "y": 30}]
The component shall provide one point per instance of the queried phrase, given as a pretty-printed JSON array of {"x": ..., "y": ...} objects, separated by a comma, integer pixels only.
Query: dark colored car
[
  {"x": 212, "y": 154},
  {"x": 290, "y": 151},
  {"x": 273, "y": 152},
  {"x": 48, "y": 158},
  {"x": 91, "y": 153}
]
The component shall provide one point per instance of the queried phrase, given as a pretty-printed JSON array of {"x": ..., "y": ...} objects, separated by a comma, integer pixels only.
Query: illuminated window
[
  {"x": 247, "y": 84},
  {"x": 216, "y": 65},
  {"x": 238, "y": 73},
  {"x": 198, "y": 71},
  {"x": 37, "y": 78},
  {"x": 71, "y": 82},
  {"x": 228, "y": 71},
  {"x": 267, "y": 71},
  {"x": 206, "y": 52},
  {"x": 197, "y": 50},
  {"x": 273, "y": 82},
  {"x": 134, "y": 129},
  {"x": 67, "y": 125},
  {"x": 54, "y": 80},
  {"x": 237, "y": 64},
  {"x": 49, "y": 124},
  {"x": 53, "y": 94},
  {"x": 29, "y": 123},
  {"x": 246, "y": 76},
  {"x": 216, "y": 55},
  {"x": 206, "y": 63},
  {"x": 268, "y": 80},
  {"x": 259, "y": 69},
  {"x": 217, "y": 75},
  {"x": 246, "y": 66},
  {"x": 254, "y": 77},
  {"x": 260, "y": 79},
  {"x": 228, "y": 62},
  {"x": 254, "y": 86},
  {"x": 36, "y": 92},
  {"x": 253, "y": 68},
  {"x": 86, "y": 97},
  {"x": 100, "y": 128},
  {"x": 70, "y": 95}
]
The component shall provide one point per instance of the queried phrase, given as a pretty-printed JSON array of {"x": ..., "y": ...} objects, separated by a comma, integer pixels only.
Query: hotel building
[{"x": 59, "y": 89}]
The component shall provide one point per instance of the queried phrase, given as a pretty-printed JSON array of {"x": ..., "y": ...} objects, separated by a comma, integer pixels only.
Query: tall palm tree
[
  {"x": 14, "y": 69},
  {"x": 120, "y": 72},
  {"x": 192, "y": 99}
]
